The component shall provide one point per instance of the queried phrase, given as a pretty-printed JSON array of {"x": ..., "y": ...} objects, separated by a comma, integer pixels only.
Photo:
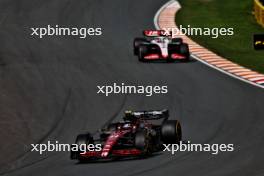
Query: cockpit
[{"x": 161, "y": 41}]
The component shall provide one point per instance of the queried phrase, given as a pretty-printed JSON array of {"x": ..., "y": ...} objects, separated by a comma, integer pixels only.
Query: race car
[
  {"x": 139, "y": 134},
  {"x": 159, "y": 45}
]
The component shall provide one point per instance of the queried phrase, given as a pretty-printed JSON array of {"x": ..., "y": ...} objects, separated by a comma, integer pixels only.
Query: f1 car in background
[
  {"x": 140, "y": 133},
  {"x": 158, "y": 45}
]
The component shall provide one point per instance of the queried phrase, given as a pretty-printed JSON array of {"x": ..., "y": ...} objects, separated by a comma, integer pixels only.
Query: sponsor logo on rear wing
[{"x": 156, "y": 33}]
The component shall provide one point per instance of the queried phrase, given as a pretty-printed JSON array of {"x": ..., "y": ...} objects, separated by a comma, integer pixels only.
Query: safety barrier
[{"x": 259, "y": 12}]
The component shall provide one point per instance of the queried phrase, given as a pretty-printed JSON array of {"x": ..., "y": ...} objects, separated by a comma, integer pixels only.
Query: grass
[{"x": 235, "y": 14}]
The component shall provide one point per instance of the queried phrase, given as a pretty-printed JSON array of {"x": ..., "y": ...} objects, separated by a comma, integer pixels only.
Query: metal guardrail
[{"x": 259, "y": 12}]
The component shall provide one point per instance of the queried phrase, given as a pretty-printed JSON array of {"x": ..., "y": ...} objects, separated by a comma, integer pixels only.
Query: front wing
[
  {"x": 114, "y": 153},
  {"x": 165, "y": 57}
]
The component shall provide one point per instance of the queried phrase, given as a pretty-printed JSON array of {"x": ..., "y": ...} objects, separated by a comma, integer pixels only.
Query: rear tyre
[
  {"x": 143, "y": 142},
  {"x": 137, "y": 43},
  {"x": 171, "y": 132},
  {"x": 143, "y": 50},
  {"x": 177, "y": 41}
]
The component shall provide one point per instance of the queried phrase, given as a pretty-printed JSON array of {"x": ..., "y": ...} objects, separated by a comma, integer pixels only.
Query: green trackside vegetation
[{"x": 235, "y": 14}]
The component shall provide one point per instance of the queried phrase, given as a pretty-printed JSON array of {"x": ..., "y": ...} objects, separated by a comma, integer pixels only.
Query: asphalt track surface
[{"x": 48, "y": 92}]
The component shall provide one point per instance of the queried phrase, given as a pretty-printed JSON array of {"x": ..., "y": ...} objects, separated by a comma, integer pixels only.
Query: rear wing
[
  {"x": 156, "y": 33},
  {"x": 149, "y": 115}
]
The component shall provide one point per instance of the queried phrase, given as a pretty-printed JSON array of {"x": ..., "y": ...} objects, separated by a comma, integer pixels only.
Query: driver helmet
[{"x": 128, "y": 115}]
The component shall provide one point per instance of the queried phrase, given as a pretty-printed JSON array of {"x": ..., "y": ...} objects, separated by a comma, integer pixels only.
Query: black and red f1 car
[
  {"x": 159, "y": 45},
  {"x": 140, "y": 133}
]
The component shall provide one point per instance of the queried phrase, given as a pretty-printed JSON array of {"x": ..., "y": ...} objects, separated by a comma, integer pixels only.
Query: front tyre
[
  {"x": 172, "y": 49},
  {"x": 143, "y": 142},
  {"x": 184, "y": 50},
  {"x": 143, "y": 50},
  {"x": 137, "y": 43},
  {"x": 82, "y": 141}
]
